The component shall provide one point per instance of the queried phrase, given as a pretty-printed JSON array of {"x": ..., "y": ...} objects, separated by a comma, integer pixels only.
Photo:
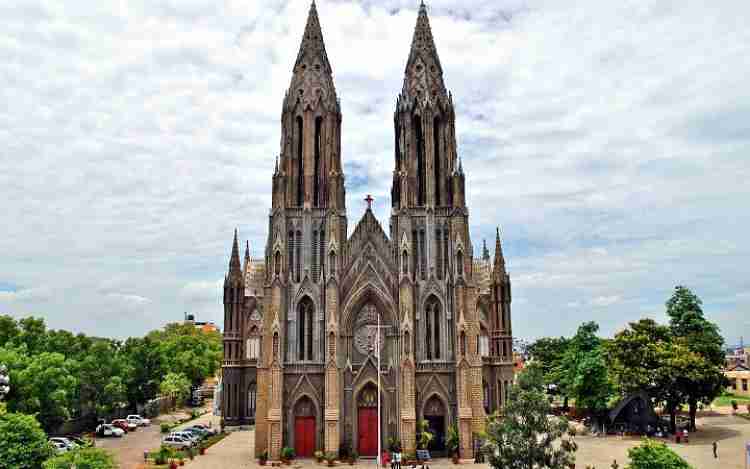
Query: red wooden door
[
  {"x": 304, "y": 436},
  {"x": 367, "y": 426}
]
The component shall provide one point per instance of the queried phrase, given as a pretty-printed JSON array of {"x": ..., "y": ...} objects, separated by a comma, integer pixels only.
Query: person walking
[
  {"x": 716, "y": 449},
  {"x": 397, "y": 458}
]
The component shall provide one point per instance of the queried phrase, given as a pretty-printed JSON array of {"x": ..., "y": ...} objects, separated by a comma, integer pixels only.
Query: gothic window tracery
[
  {"x": 366, "y": 333},
  {"x": 317, "y": 178}
]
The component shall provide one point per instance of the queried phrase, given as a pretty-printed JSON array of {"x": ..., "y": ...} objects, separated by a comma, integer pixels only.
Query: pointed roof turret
[
  {"x": 424, "y": 74},
  {"x": 499, "y": 267},
  {"x": 235, "y": 268},
  {"x": 312, "y": 79},
  {"x": 485, "y": 251},
  {"x": 247, "y": 251}
]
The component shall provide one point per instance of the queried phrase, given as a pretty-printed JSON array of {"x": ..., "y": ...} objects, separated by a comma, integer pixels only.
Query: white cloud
[{"x": 609, "y": 141}]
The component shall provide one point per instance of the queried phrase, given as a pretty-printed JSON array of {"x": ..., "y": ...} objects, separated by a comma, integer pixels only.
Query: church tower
[
  {"x": 306, "y": 227},
  {"x": 429, "y": 226}
]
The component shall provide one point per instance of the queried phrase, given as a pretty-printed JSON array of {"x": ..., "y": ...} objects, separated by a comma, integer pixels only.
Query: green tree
[
  {"x": 549, "y": 353},
  {"x": 584, "y": 374},
  {"x": 690, "y": 328},
  {"x": 33, "y": 333},
  {"x": 176, "y": 386},
  {"x": 9, "y": 330},
  {"x": 189, "y": 351},
  {"x": 85, "y": 458},
  {"x": 96, "y": 371},
  {"x": 644, "y": 357},
  {"x": 23, "y": 443},
  {"x": 655, "y": 455},
  {"x": 526, "y": 436},
  {"x": 44, "y": 387},
  {"x": 143, "y": 370}
]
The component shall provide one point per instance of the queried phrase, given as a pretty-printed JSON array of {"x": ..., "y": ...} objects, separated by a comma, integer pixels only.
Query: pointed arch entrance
[
  {"x": 304, "y": 427},
  {"x": 436, "y": 416},
  {"x": 367, "y": 421}
]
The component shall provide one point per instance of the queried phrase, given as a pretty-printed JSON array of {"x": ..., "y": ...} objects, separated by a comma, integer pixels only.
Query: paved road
[{"x": 128, "y": 450}]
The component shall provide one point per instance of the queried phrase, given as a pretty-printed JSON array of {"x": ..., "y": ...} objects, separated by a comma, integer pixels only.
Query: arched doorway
[
  {"x": 367, "y": 421},
  {"x": 435, "y": 415},
  {"x": 304, "y": 428}
]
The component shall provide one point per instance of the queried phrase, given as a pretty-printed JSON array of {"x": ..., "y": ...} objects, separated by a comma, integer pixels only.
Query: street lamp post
[
  {"x": 376, "y": 347},
  {"x": 4, "y": 382}
]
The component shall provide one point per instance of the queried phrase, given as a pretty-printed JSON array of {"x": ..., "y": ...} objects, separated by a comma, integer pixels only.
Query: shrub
[
  {"x": 734, "y": 405},
  {"x": 165, "y": 427},
  {"x": 318, "y": 455},
  {"x": 653, "y": 454},
  {"x": 85, "y": 458},
  {"x": 287, "y": 453},
  {"x": 23, "y": 443}
]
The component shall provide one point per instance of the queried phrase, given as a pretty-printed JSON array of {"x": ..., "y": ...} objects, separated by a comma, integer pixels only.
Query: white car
[
  {"x": 63, "y": 441},
  {"x": 186, "y": 435},
  {"x": 138, "y": 420},
  {"x": 177, "y": 442},
  {"x": 108, "y": 429}
]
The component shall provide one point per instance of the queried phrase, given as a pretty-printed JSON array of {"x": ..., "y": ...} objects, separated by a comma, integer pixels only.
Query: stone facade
[{"x": 300, "y": 335}]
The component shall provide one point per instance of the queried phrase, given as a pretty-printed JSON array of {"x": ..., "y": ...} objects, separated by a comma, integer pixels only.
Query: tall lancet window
[
  {"x": 305, "y": 329},
  {"x": 300, "y": 163},
  {"x": 437, "y": 162},
  {"x": 432, "y": 315},
  {"x": 317, "y": 176},
  {"x": 419, "y": 138}
]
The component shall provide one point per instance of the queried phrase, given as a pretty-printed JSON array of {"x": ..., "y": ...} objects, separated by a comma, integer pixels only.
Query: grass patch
[{"x": 725, "y": 400}]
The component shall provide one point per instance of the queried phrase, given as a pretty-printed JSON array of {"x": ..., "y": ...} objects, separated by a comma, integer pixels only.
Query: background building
[{"x": 299, "y": 342}]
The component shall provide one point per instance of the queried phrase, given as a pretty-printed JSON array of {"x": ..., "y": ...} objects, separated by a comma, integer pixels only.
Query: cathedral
[{"x": 301, "y": 336}]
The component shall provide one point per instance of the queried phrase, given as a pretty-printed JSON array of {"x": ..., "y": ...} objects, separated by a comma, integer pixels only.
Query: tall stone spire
[
  {"x": 485, "y": 251},
  {"x": 235, "y": 268},
  {"x": 423, "y": 74},
  {"x": 499, "y": 267}
]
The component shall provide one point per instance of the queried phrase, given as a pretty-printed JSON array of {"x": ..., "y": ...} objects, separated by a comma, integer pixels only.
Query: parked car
[
  {"x": 187, "y": 435},
  {"x": 211, "y": 431},
  {"x": 125, "y": 425},
  {"x": 138, "y": 420},
  {"x": 83, "y": 442},
  {"x": 176, "y": 442},
  {"x": 64, "y": 441},
  {"x": 200, "y": 432},
  {"x": 59, "y": 447},
  {"x": 107, "y": 429}
]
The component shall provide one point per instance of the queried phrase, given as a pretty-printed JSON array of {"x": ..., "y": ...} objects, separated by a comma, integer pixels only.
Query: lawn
[{"x": 726, "y": 400}]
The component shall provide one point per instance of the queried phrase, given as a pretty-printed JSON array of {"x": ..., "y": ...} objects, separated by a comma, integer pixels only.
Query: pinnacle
[
  {"x": 499, "y": 259},
  {"x": 234, "y": 261}
]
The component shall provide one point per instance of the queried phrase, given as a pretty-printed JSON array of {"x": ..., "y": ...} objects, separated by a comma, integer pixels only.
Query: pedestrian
[
  {"x": 716, "y": 449},
  {"x": 397, "y": 457}
]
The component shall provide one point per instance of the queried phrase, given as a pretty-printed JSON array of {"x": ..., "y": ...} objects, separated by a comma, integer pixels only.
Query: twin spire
[{"x": 423, "y": 64}]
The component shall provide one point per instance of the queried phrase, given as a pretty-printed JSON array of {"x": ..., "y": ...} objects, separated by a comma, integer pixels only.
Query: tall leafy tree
[
  {"x": 176, "y": 386},
  {"x": 702, "y": 338},
  {"x": 583, "y": 372},
  {"x": 548, "y": 353},
  {"x": 645, "y": 357},
  {"x": 526, "y": 436},
  {"x": 45, "y": 387}
]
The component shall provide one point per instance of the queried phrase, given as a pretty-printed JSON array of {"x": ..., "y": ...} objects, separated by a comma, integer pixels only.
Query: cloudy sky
[{"x": 610, "y": 140}]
